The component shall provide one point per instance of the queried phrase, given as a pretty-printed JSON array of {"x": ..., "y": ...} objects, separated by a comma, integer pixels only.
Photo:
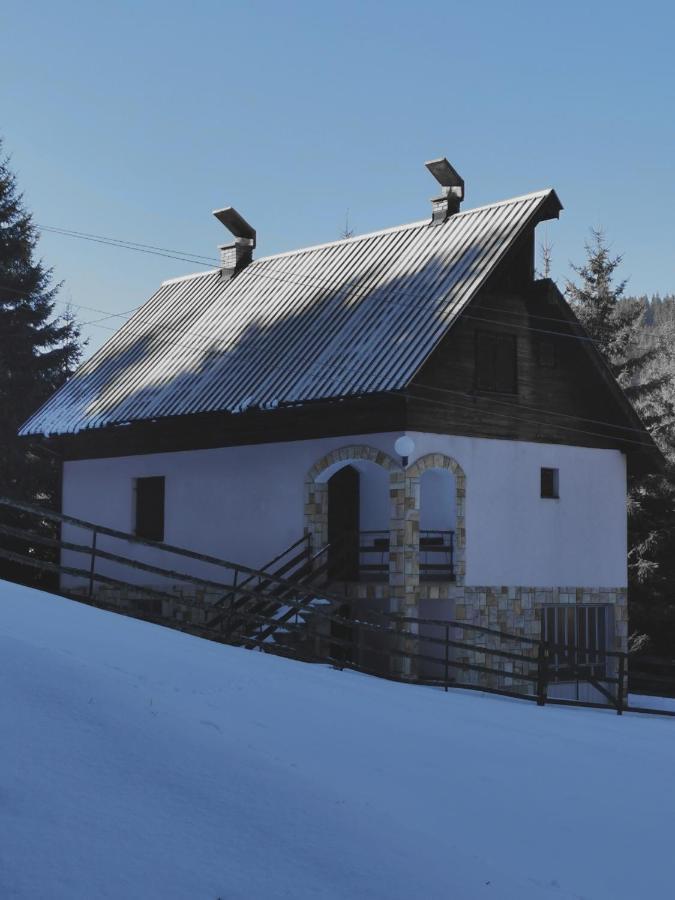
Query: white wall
[
  {"x": 514, "y": 537},
  {"x": 437, "y": 500},
  {"x": 246, "y": 503},
  {"x": 374, "y": 496}
]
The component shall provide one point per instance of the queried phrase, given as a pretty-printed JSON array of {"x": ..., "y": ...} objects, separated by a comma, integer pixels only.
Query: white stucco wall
[
  {"x": 437, "y": 500},
  {"x": 514, "y": 537},
  {"x": 373, "y": 495},
  {"x": 246, "y": 503}
]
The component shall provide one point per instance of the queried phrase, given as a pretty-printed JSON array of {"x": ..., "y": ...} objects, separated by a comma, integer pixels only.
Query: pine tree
[
  {"x": 643, "y": 368},
  {"x": 611, "y": 319},
  {"x": 38, "y": 349}
]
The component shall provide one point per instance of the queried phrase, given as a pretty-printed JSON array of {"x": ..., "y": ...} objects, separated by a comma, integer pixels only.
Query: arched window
[
  {"x": 438, "y": 510},
  {"x": 439, "y": 484}
]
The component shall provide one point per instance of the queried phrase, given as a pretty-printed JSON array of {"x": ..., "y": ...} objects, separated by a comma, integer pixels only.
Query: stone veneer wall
[
  {"x": 514, "y": 610},
  {"x": 178, "y": 604},
  {"x": 517, "y": 610}
]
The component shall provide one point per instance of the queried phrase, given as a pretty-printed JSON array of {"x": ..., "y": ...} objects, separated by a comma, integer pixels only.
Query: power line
[
  {"x": 132, "y": 325},
  {"x": 138, "y": 320},
  {"x": 509, "y": 416},
  {"x": 86, "y": 234},
  {"x": 575, "y": 337},
  {"x": 197, "y": 259},
  {"x": 110, "y": 316},
  {"x": 180, "y": 255},
  {"x": 193, "y": 258},
  {"x": 513, "y": 418},
  {"x": 526, "y": 407},
  {"x": 68, "y": 303}
]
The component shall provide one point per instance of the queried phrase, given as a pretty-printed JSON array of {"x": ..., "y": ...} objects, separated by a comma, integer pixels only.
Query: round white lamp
[{"x": 404, "y": 446}]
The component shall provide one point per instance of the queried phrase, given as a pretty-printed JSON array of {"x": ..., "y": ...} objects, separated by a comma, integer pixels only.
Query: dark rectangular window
[
  {"x": 579, "y": 634},
  {"x": 496, "y": 362},
  {"x": 546, "y": 354},
  {"x": 549, "y": 484},
  {"x": 150, "y": 508}
]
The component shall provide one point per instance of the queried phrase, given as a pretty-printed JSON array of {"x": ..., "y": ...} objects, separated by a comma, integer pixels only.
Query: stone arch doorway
[{"x": 373, "y": 468}]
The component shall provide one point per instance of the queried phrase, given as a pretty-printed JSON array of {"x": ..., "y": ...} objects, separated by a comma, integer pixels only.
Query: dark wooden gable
[{"x": 518, "y": 366}]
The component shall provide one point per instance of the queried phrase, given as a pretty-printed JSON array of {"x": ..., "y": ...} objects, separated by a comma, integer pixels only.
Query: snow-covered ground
[{"x": 137, "y": 762}]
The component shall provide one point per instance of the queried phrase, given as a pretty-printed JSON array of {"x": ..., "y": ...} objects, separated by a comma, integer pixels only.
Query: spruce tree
[
  {"x": 642, "y": 367},
  {"x": 611, "y": 319},
  {"x": 39, "y": 349}
]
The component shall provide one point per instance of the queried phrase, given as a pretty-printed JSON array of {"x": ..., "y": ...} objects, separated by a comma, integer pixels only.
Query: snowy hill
[{"x": 138, "y": 762}]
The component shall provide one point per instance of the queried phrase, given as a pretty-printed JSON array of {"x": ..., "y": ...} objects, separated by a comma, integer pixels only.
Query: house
[{"x": 415, "y": 400}]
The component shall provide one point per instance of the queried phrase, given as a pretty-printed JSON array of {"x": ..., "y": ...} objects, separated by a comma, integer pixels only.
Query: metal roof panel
[{"x": 349, "y": 317}]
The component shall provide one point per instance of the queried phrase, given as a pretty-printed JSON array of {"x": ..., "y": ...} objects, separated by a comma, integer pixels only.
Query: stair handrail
[
  {"x": 158, "y": 545},
  {"x": 228, "y": 613},
  {"x": 264, "y": 568}
]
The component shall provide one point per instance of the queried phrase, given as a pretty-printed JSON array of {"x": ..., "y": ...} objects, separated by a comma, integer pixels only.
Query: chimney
[
  {"x": 234, "y": 257},
  {"x": 452, "y": 190}
]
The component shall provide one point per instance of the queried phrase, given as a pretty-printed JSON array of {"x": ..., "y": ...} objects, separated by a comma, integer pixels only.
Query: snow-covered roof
[{"x": 352, "y": 317}]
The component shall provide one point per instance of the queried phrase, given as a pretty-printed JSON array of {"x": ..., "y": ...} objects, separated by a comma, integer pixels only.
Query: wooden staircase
[{"x": 255, "y": 607}]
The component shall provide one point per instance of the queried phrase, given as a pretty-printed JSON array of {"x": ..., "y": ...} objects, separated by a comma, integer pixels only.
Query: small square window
[{"x": 549, "y": 484}]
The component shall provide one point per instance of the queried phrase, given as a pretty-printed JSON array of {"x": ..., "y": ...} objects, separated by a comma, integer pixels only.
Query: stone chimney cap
[
  {"x": 447, "y": 176},
  {"x": 236, "y": 224},
  {"x": 452, "y": 190}
]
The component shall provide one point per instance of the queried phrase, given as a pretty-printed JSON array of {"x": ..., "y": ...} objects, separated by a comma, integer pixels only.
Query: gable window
[
  {"x": 149, "y": 519},
  {"x": 580, "y": 637},
  {"x": 496, "y": 362},
  {"x": 546, "y": 354},
  {"x": 549, "y": 484}
]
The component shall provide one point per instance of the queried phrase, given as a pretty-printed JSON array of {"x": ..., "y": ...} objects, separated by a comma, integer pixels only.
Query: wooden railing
[
  {"x": 370, "y": 552},
  {"x": 454, "y": 654},
  {"x": 228, "y": 585},
  {"x": 293, "y": 617},
  {"x": 294, "y": 562}
]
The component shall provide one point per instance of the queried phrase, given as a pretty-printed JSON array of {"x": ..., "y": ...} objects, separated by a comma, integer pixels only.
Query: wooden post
[
  {"x": 447, "y": 653},
  {"x": 542, "y": 674},
  {"x": 92, "y": 563},
  {"x": 620, "y": 686}
]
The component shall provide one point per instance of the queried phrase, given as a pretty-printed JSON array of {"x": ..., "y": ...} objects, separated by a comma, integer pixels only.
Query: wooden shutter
[
  {"x": 505, "y": 363},
  {"x": 150, "y": 508},
  {"x": 549, "y": 483},
  {"x": 496, "y": 362},
  {"x": 485, "y": 369}
]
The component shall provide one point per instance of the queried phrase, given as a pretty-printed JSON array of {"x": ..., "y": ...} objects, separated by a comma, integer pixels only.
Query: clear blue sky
[{"x": 136, "y": 120}]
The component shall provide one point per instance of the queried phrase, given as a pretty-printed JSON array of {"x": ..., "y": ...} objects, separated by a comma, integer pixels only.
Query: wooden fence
[{"x": 263, "y": 609}]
